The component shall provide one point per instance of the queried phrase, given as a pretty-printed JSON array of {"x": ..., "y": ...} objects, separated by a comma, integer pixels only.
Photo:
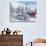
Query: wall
[{"x": 30, "y": 30}]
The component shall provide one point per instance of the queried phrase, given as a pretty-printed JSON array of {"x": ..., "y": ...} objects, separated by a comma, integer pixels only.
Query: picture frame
[{"x": 23, "y": 11}]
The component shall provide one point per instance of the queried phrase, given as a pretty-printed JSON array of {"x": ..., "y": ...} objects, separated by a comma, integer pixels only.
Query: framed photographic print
[{"x": 23, "y": 10}]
